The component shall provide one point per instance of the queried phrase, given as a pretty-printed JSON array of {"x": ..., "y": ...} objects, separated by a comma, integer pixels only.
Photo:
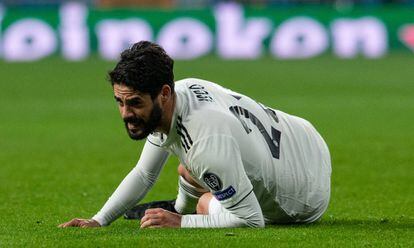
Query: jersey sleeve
[
  {"x": 246, "y": 213},
  {"x": 155, "y": 139},
  {"x": 216, "y": 162},
  {"x": 135, "y": 185}
]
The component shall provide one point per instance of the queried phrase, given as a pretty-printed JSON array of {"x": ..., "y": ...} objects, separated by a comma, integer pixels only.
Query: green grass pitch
[{"x": 63, "y": 150}]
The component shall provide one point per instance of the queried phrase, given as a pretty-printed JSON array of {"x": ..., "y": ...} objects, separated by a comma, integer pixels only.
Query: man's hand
[
  {"x": 83, "y": 223},
  {"x": 158, "y": 217}
]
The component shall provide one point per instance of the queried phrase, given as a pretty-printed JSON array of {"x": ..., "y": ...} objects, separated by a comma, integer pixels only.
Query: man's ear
[{"x": 165, "y": 93}]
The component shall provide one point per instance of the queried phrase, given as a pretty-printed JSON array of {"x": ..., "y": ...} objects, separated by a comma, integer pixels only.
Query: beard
[{"x": 144, "y": 128}]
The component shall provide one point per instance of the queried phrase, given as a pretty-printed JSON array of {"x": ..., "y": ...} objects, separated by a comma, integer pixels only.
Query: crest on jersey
[{"x": 212, "y": 181}]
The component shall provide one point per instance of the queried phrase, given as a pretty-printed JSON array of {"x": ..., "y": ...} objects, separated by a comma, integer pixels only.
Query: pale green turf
[{"x": 63, "y": 150}]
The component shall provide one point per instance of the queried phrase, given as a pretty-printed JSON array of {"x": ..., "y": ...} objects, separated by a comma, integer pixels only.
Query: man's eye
[
  {"x": 119, "y": 103},
  {"x": 134, "y": 103}
]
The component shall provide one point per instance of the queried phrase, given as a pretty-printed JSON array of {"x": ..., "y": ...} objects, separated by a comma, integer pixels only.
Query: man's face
[{"x": 139, "y": 112}]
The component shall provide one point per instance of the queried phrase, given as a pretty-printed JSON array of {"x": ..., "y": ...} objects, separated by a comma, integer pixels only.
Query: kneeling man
[{"x": 241, "y": 163}]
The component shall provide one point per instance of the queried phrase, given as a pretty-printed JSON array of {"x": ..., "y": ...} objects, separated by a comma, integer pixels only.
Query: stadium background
[{"x": 347, "y": 66}]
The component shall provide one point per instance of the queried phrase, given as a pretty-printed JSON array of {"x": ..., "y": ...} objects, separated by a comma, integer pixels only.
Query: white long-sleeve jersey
[{"x": 262, "y": 165}]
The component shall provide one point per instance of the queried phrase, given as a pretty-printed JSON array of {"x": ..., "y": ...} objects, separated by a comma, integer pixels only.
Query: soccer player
[{"x": 241, "y": 163}]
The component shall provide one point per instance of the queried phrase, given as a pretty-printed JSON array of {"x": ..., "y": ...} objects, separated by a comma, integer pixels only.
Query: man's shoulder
[
  {"x": 198, "y": 106},
  {"x": 206, "y": 122},
  {"x": 191, "y": 80},
  {"x": 193, "y": 84}
]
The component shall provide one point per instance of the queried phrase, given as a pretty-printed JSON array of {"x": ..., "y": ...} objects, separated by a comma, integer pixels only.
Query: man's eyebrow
[
  {"x": 134, "y": 99},
  {"x": 130, "y": 100}
]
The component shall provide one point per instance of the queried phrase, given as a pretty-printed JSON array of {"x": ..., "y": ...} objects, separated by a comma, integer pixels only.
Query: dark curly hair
[{"x": 145, "y": 67}]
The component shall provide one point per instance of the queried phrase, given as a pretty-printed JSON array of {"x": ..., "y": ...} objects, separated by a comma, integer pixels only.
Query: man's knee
[
  {"x": 183, "y": 172},
  {"x": 203, "y": 204}
]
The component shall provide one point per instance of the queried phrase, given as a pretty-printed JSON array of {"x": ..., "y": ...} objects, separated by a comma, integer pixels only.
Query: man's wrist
[
  {"x": 181, "y": 220},
  {"x": 99, "y": 220},
  {"x": 185, "y": 221}
]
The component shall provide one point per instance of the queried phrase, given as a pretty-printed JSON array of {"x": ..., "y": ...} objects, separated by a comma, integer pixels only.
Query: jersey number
[{"x": 272, "y": 141}]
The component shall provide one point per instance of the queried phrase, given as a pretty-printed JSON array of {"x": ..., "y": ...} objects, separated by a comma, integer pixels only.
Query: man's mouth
[{"x": 133, "y": 126}]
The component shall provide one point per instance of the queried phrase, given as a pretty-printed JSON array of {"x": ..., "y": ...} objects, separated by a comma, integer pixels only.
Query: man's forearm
[
  {"x": 135, "y": 185},
  {"x": 132, "y": 189}
]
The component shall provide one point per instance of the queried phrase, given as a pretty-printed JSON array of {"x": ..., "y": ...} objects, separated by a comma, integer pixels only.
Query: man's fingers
[
  {"x": 153, "y": 210},
  {"x": 73, "y": 222},
  {"x": 156, "y": 218},
  {"x": 145, "y": 218},
  {"x": 148, "y": 217},
  {"x": 63, "y": 225},
  {"x": 150, "y": 223},
  {"x": 89, "y": 223},
  {"x": 84, "y": 225},
  {"x": 70, "y": 223},
  {"x": 151, "y": 213},
  {"x": 146, "y": 223},
  {"x": 150, "y": 220}
]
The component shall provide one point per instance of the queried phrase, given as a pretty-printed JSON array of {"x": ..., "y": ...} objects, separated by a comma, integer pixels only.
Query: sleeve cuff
[{"x": 100, "y": 220}]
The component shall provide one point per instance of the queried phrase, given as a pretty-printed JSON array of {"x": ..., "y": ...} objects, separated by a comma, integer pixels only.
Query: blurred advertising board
[{"x": 229, "y": 31}]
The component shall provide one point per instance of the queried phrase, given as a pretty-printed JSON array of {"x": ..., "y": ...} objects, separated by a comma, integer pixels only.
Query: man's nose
[{"x": 126, "y": 112}]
